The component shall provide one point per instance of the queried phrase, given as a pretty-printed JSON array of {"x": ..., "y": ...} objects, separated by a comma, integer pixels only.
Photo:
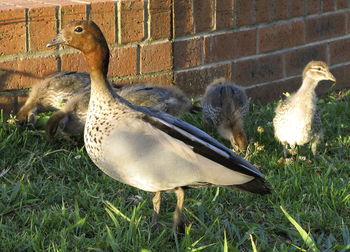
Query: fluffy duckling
[
  {"x": 297, "y": 121},
  {"x": 52, "y": 93},
  {"x": 169, "y": 99},
  {"x": 224, "y": 105},
  {"x": 146, "y": 148},
  {"x": 70, "y": 120}
]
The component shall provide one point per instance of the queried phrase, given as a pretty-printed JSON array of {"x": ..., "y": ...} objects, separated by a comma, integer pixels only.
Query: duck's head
[
  {"x": 82, "y": 35},
  {"x": 318, "y": 71},
  {"x": 87, "y": 37}
]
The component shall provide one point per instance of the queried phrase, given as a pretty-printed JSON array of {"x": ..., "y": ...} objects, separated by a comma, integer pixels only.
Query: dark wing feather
[{"x": 201, "y": 142}]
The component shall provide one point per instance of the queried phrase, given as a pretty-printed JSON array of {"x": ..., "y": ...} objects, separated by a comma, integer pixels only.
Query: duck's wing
[{"x": 200, "y": 142}]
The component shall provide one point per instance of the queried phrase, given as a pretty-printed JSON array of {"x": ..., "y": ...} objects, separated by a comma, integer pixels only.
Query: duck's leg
[
  {"x": 178, "y": 219},
  {"x": 156, "y": 208},
  {"x": 315, "y": 142},
  {"x": 293, "y": 150}
]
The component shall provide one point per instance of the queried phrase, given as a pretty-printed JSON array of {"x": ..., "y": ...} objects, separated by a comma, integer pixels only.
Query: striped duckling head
[{"x": 318, "y": 71}]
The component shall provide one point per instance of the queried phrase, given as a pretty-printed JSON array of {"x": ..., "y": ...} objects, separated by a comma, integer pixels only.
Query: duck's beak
[{"x": 57, "y": 40}]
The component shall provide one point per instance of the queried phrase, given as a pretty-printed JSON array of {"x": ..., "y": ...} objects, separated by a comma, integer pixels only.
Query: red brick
[
  {"x": 281, "y": 10},
  {"x": 296, "y": 60},
  {"x": 257, "y": 70},
  {"x": 38, "y": 36},
  {"x": 103, "y": 14},
  {"x": 160, "y": 19},
  {"x": 22, "y": 73},
  {"x": 244, "y": 12},
  {"x": 262, "y": 10},
  {"x": 325, "y": 27},
  {"x": 187, "y": 53},
  {"x": 123, "y": 61},
  {"x": 273, "y": 91},
  {"x": 342, "y": 73},
  {"x": 296, "y": 8},
  {"x": 203, "y": 12},
  {"x": 72, "y": 12},
  {"x": 313, "y": 6},
  {"x": 183, "y": 17},
  {"x": 156, "y": 57},
  {"x": 280, "y": 36},
  {"x": 245, "y": 42},
  {"x": 160, "y": 79},
  {"x": 229, "y": 45},
  {"x": 194, "y": 81},
  {"x": 12, "y": 31},
  {"x": 74, "y": 62},
  {"x": 224, "y": 14},
  {"x": 339, "y": 51},
  {"x": 328, "y": 5},
  {"x": 219, "y": 47},
  {"x": 131, "y": 21},
  {"x": 8, "y": 104},
  {"x": 342, "y": 4}
]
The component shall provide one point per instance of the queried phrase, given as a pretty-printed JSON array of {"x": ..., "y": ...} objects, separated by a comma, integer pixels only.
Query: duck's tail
[
  {"x": 257, "y": 185},
  {"x": 54, "y": 122}
]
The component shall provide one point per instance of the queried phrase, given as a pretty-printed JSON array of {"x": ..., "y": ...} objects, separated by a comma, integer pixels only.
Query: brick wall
[{"x": 262, "y": 45}]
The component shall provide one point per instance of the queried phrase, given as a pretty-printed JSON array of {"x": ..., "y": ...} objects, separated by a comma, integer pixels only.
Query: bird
[
  {"x": 51, "y": 93},
  {"x": 70, "y": 120},
  {"x": 147, "y": 148},
  {"x": 224, "y": 106},
  {"x": 297, "y": 120}
]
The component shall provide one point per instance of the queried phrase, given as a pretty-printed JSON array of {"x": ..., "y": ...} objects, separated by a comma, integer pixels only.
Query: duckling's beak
[
  {"x": 57, "y": 40},
  {"x": 331, "y": 77}
]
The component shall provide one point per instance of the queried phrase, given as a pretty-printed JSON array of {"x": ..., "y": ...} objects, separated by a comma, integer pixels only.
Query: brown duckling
[
  {"x": 224, "y": 105},
  {"x": 52, "y": 93},
  {"x": 297, "y": 120}
]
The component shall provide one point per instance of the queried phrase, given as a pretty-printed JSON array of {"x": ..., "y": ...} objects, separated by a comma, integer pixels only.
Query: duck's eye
[
  {"x": 319, "y": 69},
  {"x": 78, "y": 29}
]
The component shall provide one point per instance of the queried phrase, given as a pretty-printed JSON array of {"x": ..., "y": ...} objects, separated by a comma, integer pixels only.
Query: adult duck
[{"x": 147, "y": 148}]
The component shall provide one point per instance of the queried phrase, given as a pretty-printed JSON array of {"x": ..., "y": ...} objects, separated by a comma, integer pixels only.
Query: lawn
[{"x": 54, "y": 199}]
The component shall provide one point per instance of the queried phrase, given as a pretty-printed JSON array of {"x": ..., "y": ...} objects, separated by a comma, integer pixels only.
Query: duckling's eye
[
  {"x": 319, "y": 69},
  {"x": 78, "y": 29}
]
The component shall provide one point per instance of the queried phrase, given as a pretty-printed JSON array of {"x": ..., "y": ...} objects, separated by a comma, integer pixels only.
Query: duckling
[
  {"x": 224, "y": 105},
  {"x": 147, "y": 148},
  {"x": 169, "y": 99},
  {"x": 297, "y": 120},
  {"x": 52, "y": 93},
  {"x": 70, "y": 120}
]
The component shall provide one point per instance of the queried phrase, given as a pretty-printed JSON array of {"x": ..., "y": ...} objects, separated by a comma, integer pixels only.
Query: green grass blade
[
  {"x": 253, "y": 243},
  {"x": 225, "y": 242},
  {"x": 304, "y": 235},
  {"x": 116, "y": 210}
]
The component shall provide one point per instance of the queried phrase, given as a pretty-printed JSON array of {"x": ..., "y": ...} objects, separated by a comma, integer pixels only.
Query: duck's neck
[
  {"x": 308, "y": 87},
  {"x": 97, "y": 61}
]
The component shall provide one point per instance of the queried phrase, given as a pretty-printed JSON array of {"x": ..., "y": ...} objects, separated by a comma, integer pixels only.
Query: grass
[{"x": 54, "y": 199}]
